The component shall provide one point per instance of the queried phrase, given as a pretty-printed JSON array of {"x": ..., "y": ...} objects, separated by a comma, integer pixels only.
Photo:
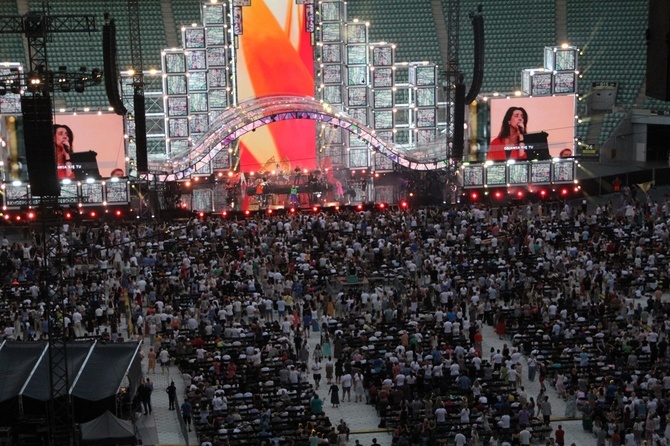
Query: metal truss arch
[{"x": 235, "y": 122}]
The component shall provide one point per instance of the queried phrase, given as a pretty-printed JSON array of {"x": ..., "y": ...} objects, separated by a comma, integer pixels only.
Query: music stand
[
  {"x": 537, "y": 147},
  {"x": 85, "y": 165}
]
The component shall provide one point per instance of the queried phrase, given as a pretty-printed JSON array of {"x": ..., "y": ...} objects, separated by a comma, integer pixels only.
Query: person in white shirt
[
  {"x": 525, "y": 437},
  {"x": 440, "y": 415},
  {"x": 460, "y": 439},
  {"x": 504, "y": 422},
  {"x": 346, "y": 385}
]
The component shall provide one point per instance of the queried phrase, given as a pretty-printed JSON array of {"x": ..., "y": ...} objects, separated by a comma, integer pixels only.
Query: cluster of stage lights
[
  {"x": 381, "y": 207},
  {"x": 521, "y": 194},
  {"x": 15, "y": 81},
  {"x": 31, "y": 215}
]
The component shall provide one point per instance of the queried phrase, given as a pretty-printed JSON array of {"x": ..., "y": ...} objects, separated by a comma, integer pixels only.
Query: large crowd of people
[{"x": 398, "y": 299}]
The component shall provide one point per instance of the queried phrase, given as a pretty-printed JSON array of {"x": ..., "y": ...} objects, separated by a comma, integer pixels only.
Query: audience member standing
[
  {"x": 186, "y": 412},
  {"x": 172, "y": 395}
]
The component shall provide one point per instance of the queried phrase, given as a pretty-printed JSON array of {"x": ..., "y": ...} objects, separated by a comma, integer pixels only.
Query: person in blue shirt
[{"x": 186, "y": 412}]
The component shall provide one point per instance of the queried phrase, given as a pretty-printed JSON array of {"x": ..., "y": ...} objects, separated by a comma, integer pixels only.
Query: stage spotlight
[
  {"x": 93, "y": 214},
  {"x": 382, "y": 206},
  {"x": 564, "y": 191},
  {"x": 62, "y": 79},
  {"x": 80, "y": 81},
  {"x": 543, "y": 193},
  {"x": 404, "y": 204},
  {"x": 498, "y": 194},
  {"x": 118, "y": 213},
  {"x": 96, "y": 75},
  {"x": 14, "y": 82},
  {"x": 292, "y": 210},
  {"x": 247, "y": 212},
  {"x": 315, "y": 209},
  {"x": 474, "y": 196},
  {"x": 34, "y": 81},
  {"x": 519, "y": 194},
  {"x": 31, "y": 215},
  {"x": 359, "y": 207},
  {"x": 224, "y": 214},
  {"x": 79, "y": 85}
]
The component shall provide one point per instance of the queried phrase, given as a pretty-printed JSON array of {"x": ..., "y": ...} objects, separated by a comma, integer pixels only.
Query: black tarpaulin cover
[
  {"x": 95, "y": 370},
  {"x": 107, "y": 429}
]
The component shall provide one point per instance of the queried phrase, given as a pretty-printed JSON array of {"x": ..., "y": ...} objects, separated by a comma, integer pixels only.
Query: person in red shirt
[{"x": 560, "y": 436}]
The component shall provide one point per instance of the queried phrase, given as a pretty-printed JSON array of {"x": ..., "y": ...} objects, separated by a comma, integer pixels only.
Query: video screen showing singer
[
  {"x": 63, "y": 139},
  {"x": 509, "y": 144}
]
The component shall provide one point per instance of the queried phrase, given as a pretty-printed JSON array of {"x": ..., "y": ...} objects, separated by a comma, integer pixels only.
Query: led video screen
[
  {"x": 276, "y": 57},
  {"x": 93, "y": 142},
  {"x": 531, "y": 117}
]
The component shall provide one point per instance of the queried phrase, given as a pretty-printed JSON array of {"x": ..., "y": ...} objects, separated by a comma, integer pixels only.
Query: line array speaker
[
  {"x": 110, "y": 71},
  {"x": 39, "y": 140},
  {"x": 140, "y": 132},
  {"x": 458, "y": 142},
  {"x": 478, "y": 71}
]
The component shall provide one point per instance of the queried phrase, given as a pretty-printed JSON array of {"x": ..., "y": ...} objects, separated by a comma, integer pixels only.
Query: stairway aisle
[
  {"x": 360, "y": 417},
  {"x": 165, "y": 422}
]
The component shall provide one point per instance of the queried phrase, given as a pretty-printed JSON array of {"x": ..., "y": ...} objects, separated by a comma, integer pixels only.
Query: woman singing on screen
[
  {"x": 63, "y": 139},
  {"x": 509, "y": 143}
]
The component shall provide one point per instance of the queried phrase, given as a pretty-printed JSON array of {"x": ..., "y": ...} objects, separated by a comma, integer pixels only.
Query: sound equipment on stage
[
  {"x": 39, "y": 140},
  {"x": 658, "y": 50}
]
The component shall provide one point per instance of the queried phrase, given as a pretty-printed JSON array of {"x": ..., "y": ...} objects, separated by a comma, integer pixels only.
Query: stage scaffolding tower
[{"x": 37, "y": 26}]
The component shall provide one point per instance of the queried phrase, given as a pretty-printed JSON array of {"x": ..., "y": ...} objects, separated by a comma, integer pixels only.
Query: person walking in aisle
[
  {"x": 144, "y": 394},
  {"x": 172, "y": 395},
  {"x": 186, "y": 411},
  {"x": 334, "y": 393},
  {"x": 151, "y": 359},
  {"x": 545, "y": 409},
  {"x": 346, "y": 386}
]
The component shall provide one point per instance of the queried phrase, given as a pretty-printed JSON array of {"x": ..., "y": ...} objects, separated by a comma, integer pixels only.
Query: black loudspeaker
[
  {"x": 110, "y": 71},
  {"x": 478, "y": 71},
  {"x": 458, "y": 143},
  {"x": 40, "y": 153},
  {"x": 658, "y": 50},
  {"x": 140, "y": 132}
]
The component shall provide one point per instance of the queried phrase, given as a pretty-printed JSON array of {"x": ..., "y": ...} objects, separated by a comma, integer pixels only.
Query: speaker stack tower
[
  {"x": 658, "y": 50},
  {"x": 40, "y": 152}
]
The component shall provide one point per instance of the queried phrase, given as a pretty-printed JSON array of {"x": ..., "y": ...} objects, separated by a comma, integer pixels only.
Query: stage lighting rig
[{"x": 16, "y": 81}]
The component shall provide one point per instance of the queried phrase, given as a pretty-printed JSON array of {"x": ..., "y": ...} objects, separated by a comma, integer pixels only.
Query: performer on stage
[
  {"x": 510, "y": 141},
  {"x": 293, "y": 198},
  {"x": 63, "y": 139}
]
